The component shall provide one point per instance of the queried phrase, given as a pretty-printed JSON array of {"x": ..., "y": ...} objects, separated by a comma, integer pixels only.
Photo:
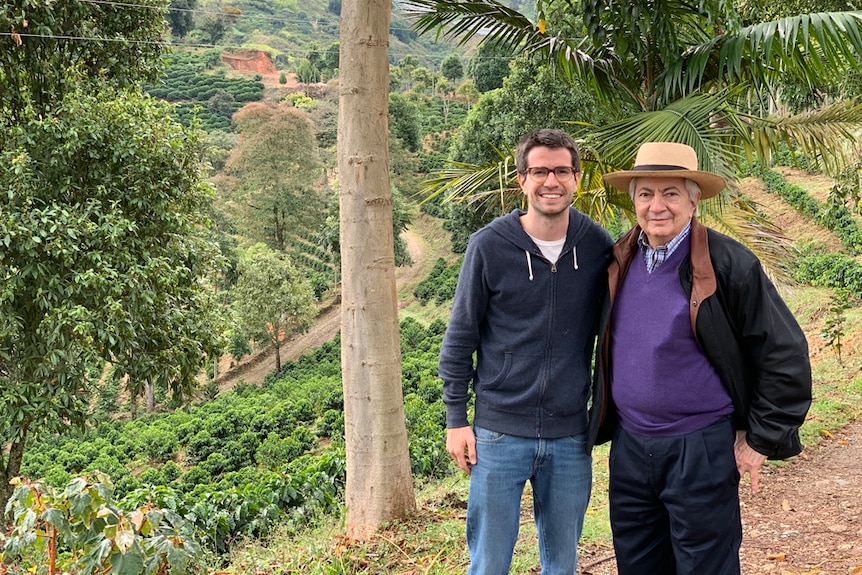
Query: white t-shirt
[{"x": 551, "y": 250}]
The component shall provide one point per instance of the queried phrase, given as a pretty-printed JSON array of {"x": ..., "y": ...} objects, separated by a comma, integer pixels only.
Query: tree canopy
[
  {"x": 278, "y": 171},
  {"x": 54, "y": 47},
  {"x": 273, "y": 299},
  {"x": 672, "y": 71},
  {"x": 103, "y": 258}
]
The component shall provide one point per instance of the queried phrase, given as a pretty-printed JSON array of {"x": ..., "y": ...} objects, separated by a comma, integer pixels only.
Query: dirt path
[{"x": 255, "y": 367}]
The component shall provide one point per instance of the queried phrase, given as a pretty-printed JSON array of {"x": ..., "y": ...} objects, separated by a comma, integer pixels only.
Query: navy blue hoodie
[{"x": 532, "y": 325}]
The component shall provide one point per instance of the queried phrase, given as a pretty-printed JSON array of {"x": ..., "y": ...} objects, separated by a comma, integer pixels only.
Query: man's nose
[{"x": 657, "y": 204}]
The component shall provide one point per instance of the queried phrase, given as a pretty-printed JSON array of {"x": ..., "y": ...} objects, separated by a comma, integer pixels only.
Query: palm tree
[{"x": 671, "y": 70}]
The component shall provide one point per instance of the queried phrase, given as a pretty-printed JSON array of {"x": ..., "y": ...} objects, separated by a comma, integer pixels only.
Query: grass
[{"x": 837, "y": 394}]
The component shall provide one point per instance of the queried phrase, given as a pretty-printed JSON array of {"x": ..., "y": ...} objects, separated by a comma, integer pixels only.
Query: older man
[{"x": 704, "y": 369}]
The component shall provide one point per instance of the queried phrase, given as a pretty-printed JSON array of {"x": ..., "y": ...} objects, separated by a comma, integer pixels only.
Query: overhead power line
[{"x": 215, "y": 13}]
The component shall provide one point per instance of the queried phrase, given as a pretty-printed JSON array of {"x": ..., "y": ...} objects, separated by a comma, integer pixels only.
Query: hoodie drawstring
[{"x": 530, "y": 260}]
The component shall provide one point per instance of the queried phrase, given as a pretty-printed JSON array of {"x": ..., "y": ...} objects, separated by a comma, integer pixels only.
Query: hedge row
[{"x": 837, "y": 218}]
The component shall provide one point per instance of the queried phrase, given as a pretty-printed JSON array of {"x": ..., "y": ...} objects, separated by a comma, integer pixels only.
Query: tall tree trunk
[
  {"x": 11, "y": 470},
  {"x": 379, "y": 481},
  {"x": 150, "y": 393}
]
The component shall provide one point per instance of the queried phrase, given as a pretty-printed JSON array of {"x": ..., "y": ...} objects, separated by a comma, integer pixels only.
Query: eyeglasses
[{"x": 562, "y": 173}]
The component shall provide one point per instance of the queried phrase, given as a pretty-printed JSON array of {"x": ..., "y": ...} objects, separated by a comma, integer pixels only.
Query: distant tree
[
  {"x": 489, "y": 66},
  {"x": 405, "y": 120},
  {"x": 221, "y": 103},
  {"x": 402, "y": 74},
  {"x": 273, "y": 299},
  {"x": 213, "y": 29},
  {"x": 330, "y": 60},
  {"x": 325, "y": 117},
  {"x": 312, "y": 54},
  {"x": 467, "y": 92},
  {"x": 215, "y": 25},
  {"x": 181, "y": 16},
  {"x": 423, "y": 80},
  {"x": 531, "y": 97},
  {"x": 452, "y": 68},
  {"x": 278, "y": 170},
  {"x": 307, "y": 73}
]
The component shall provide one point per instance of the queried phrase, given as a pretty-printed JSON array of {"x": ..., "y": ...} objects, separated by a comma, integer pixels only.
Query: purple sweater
[{"x": 661, "y": 383}]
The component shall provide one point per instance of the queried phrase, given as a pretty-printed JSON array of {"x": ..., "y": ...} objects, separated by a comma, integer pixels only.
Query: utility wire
[
  {"x": 237, "y": 15},
  {"x": 17, "y": 36}
]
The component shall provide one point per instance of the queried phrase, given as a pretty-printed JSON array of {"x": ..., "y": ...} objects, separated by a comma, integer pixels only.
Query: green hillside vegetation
[
  {"x": 292, "y": 32},
  {"x": 251, "y": 479},
  {"x": 198, "y": 87}
]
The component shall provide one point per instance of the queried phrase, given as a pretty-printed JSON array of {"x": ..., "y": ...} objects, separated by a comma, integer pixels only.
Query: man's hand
[
  {"x": 461, "y": 445},
  {"x": 747, "y": 460}
]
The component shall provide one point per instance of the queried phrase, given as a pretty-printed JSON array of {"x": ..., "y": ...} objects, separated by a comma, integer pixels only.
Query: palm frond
[
  {"x": 827, "y": 136},
  {"x": 808, "y": 48},
  {"x": 463, "y": 20},
  {"x": 742, "y": 221}
]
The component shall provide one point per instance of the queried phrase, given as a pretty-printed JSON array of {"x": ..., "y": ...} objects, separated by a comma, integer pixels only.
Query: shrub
[
  {"x": 159, "y": 445},
  {"x": 331, "y": 424},
  {"x": 275, "y": 451},
  {"x": 201, "y": 446}
]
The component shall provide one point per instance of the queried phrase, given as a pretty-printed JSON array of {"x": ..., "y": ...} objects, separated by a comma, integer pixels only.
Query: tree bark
[
  {"x": 379, "y": 481},
  {"x": 11, "y": 470},
  {"x": 150, "y": 393}
]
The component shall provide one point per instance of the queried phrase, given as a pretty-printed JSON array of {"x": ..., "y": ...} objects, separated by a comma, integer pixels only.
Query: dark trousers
[{"x": 674, "y": 503}]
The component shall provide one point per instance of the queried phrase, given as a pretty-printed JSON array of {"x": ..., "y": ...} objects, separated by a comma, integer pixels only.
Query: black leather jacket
[{"x": 743, "y": 327}]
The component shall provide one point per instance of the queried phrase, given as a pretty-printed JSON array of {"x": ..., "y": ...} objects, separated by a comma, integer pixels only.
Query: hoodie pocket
[
  {"x": 491, "y": 374},
  {"x": 519, "y": 374}
]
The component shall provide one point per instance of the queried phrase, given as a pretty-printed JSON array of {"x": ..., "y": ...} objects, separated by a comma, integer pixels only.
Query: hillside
[
  {"x": 426, "y": 241},
  {"x": 806, "y": 519}
]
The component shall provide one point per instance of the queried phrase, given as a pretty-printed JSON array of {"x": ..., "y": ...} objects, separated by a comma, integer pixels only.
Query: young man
[
  {"x": 526, "y": 305},
  {"x": 707, "y": 372}
]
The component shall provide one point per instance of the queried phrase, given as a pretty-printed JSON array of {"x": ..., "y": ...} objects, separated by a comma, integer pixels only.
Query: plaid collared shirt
[{"x": 655, "y": 257}]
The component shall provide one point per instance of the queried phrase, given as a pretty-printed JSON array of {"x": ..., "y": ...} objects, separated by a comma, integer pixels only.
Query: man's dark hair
[{"x": 551, "y": 139}]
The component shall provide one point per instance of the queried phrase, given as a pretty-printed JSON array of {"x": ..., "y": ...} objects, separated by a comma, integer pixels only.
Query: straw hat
[{"x": 668, "y": 160}]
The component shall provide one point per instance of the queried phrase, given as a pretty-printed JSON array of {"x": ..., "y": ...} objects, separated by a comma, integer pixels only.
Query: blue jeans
[{"x": 560, "y": 472}]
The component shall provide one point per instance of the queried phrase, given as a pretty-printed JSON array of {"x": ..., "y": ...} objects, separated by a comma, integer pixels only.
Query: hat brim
[{"x": 710, "y": 184}]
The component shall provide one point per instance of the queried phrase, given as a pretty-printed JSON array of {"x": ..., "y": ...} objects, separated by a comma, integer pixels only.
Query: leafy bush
[
  {"x": 838, "y": 271},
  {"x": 159, "y": 445},
  {"x": 202, "y": 446},
  {"x": 275, "y": 451},
  {"x": 439, "y": 284},
  {"x": 331, "y": 424},
  {"x": 97, "y": 535}
]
